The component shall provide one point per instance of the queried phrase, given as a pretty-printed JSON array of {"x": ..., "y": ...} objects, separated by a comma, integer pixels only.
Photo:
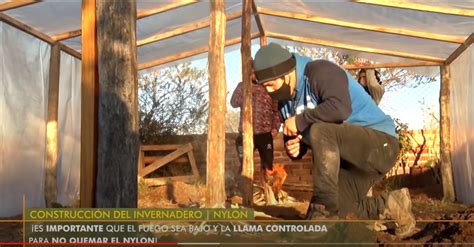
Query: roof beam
[
  {"x": 419, "y": 7},
  {"x": 16, "y": 4},
  {"x": 188, "y": 54},
  {"x": 184, "y": 29},
  {"x": 390, "y": 65},
  {"x": 261, "y": 28},
  {"x": 25, "y": 28},
  {"x": 173, "y": 5},
  {"x": 460, "y": 49},
  {"x": 354, "y": 47},
  {"x": 380, "y": 29},
  {"x": 140, "y": 15}
]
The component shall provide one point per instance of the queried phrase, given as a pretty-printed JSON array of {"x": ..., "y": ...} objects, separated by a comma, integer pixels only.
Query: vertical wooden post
[
  {"x": 263, "y": 40},
  {"x": 445, "y": 137},
  {"x": 117, "y": 145},
  {"x": 215, "y": 196},
  {"x": 89, "y": 87},
  {"x": 50, "y": 187},
  {"x": 247, "y": 119}
]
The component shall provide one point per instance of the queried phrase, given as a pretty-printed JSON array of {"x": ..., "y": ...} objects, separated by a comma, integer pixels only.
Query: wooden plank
[
  {"x": 390, "y": 65},
  {"x": 89, "y": 92},
  {"x": 25, "y": 28},
  {"x": 166, "y": 180},
  {"x": 16, "y": 4},
  {"x": 70, "y": 51},
  {"x": 352, "y": 25},
  {"x": 247, "y": 127},
  {"x": 419, "y": 7},
  {"x": 186, "y": 54},
  {"x": 192, "y": 161},
  {"x": 445, "y": 136},
  {"x": 67, "y": 35},
  {"x": 460, "y": 49},
  {"x": 140, "y": 15},
  {"x": 215, "y": 193},
  {"x": 261, "y": 28},
  {"x": 173, "y": 5},
  {"x": 151, "y": 159},
  {"x": 160, "y": 147},
  {"x": 50, "y": 182},
  {"x": 118, "y": 144},
  {"x": 354, "y": 47},
  {"x": 165, "y": 160},
  {"x": 183, "y": 29}
]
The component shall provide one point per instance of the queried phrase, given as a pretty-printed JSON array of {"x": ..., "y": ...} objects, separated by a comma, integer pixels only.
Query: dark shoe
[{"x": 398, "y": 208}]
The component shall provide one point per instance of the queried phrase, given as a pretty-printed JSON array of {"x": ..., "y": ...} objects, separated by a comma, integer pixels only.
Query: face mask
[{"x": 282, "y": 94}]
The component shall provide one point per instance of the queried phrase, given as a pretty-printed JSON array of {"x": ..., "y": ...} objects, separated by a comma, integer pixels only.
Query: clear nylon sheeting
[
  {"x": 69, "y": 130},
  {"x": 23, "y": 111},
  {"x": 462, "y": 125}
]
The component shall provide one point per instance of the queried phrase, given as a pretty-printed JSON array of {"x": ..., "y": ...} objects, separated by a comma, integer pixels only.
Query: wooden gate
[{"x": 157, "y": 161}]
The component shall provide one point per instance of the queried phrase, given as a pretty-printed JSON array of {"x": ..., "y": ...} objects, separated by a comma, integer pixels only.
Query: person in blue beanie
[{"x": 353, "y": 141}]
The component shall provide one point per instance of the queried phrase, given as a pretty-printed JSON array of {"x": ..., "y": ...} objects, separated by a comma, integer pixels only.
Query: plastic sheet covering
[
  {"x": 24, "y": 63},
  {"x": 69, "y": 130},
  {"x": 462, "y": 125}
]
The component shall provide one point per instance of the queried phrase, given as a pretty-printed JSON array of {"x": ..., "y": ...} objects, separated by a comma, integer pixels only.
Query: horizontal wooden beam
[
  {"x": 173, "y": 5},
  {"x": 419, "y": 7},
  {"x": 354, "y": 47},
  {"x": 25, "y": 28},
  {"x": 374, "y": 28},
  {"x": 67, "y": 35},
  {"x": 16, "y": 4},
  {"x": 460, "y": 49},
  {"x": 187, "y": 54},
  {"x": 140, "y": 15},
  {"x": 391, "y": 65},
  {"x": 184, "y": 29},
  {"x": 70, "y": 51}
]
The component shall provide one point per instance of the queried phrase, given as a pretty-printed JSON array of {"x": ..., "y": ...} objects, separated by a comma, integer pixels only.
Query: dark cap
[{"x": 271, "y": 62}]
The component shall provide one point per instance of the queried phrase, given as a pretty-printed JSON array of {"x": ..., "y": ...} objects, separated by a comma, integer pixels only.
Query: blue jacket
[{"x": 345, "y": 103}]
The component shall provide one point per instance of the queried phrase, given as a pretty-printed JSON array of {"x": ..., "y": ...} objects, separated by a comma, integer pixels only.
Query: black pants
[
  {"x": 348, "y": 160},
  {"x": 264, "y": 144}
]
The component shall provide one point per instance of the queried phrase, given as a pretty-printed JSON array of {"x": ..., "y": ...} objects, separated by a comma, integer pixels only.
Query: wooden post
[
  {"x": 263, "y": 40},
  {"x": 89, "y": 87},
  {"x": 445, "y": 137},
  {"x": 215, "y": 196},
  {"x": 118, "y": 145},
  {"x": 50, "y": 183},
  {"x": 247, "y": 119}
]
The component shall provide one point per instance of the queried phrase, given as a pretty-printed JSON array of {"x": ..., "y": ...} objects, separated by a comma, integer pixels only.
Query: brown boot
[{"x": 398, "y": 208}]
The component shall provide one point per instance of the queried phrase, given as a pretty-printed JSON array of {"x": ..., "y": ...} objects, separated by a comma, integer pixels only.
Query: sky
[{"x": 410, "y": 105}]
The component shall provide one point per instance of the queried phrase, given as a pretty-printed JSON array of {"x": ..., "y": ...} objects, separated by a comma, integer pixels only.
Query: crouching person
[{"x": 354, "y": 142}]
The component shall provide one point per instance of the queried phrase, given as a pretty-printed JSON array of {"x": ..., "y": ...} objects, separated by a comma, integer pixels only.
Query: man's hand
[
  {"x": 293, "y": 146},
  {"x": 289, "y": 128}
]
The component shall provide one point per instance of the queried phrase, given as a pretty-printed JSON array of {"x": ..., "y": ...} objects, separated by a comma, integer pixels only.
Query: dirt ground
[{"x": 437, "y": 221}]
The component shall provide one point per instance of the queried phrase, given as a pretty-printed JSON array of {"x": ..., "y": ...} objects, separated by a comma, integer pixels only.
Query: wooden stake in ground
[
  {"x": 445, "y": 137},
  {"x": 247, "y": 119},
  {"x": 118, "y": 144},
  {"x": 89, "y": 87},
  {"x": 215, "y": 195},
  {"x": 52, "y": 128}
]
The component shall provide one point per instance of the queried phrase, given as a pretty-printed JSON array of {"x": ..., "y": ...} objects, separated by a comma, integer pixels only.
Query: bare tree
[{"x": 172, "y": 101}]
